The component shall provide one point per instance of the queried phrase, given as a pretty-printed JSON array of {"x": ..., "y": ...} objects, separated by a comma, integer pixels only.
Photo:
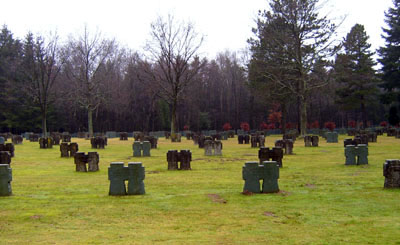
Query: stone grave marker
[
  {"x": 270, "y": 176},
  {"x": 275, "y": 154},
  {"x": 5, "y": 180},
  {"x": 174, "y": 157},
  {"x": 9, "y": 147},
  {"x": 251, "y": 176},
  {"x": 134, "y": 174},
  {"x": 391, "y": 171},
  {"x": 123, "y": 136},
  {"x": 5, "y": 157},
  {"x": 17, "y": 139},
  {"x": 287, "y": 145},
  {"x": 135, "y": 178},
  {"x": 81, "y": 159},
  {"x": 356, "y": 155}
]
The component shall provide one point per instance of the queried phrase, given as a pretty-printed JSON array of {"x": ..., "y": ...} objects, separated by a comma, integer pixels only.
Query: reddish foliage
[
  {"x": 330, "y": 125},
  {"x": 227, "y": 126},
  {"x": 263, "y": 126},
  {"x": 186, "y": 127},
  {"x": 290, "y": 125},
  {"x": 271, "y": 126},
  {"x": 245, "y": 126},
  {"x": 274, "y": 116},
  {"x": 352, "y": 124},
  {"x": 314, "y": 124},
  {"x": 383, "y": 124}
]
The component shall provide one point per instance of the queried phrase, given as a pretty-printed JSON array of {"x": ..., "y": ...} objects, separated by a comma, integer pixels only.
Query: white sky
[{"x": 226, "y": 24}]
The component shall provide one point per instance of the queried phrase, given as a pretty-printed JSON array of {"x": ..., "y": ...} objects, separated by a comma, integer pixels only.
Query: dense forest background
[{"x": 62, "y": 80}]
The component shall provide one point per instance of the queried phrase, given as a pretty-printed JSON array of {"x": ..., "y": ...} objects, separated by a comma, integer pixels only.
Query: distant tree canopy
[{"x": 91, "y": 83}]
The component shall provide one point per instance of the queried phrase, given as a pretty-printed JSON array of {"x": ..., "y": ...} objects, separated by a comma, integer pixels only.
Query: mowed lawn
[{"x": 322, "y": 201}]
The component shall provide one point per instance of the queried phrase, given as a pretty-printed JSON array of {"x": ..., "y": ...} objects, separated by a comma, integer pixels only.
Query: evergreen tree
[
  {"x": 354, "y": 71},
  {"x": 291, "y": 39},
  {"x": 390, "y": 56}
]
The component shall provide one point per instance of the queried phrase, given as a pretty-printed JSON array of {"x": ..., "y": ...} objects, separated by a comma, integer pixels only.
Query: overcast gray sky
[{"x": 226, "y": 24}]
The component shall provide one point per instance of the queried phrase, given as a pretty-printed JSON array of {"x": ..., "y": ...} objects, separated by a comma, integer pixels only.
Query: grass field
[{"x": 322, "y": 201}]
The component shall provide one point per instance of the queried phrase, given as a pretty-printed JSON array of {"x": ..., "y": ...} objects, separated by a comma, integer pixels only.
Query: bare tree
[
  {"x": 172, "y": 52},
  {"x": 88, "y": 56},
  {"x": 43, "y": 63}
]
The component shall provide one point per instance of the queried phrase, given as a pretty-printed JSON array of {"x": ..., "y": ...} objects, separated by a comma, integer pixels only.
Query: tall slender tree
[
  {"x": 354, "y": 69},
  {"x": 293, "y": 37},
  {"x": 390, "y": 60}
]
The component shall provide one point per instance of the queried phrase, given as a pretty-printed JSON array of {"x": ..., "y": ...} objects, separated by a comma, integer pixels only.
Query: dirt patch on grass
[
  {"x": 216, "y": 198},
  {"x": 270, "y": 214},
  {"x": 311, "y": 186},
  {"x": 284, "y": 193},
  {"x": 36, "y": 217},
  {"x": 153, "y": 172},
  {"x": 247, "y": 193}
]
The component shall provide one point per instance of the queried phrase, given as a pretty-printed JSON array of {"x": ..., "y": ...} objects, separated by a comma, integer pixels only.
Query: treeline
[{"x": 89, "y": 79}]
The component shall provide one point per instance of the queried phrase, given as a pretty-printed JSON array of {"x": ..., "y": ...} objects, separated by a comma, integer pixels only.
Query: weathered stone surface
[
  {"x": 123, "y": 136},
  {"x": 251, "y": 176},
  {"x": 33, "y": 137},
  {"x": 391, "y": 171},
  {"x": 80, "y": 160},
  {"x": 202, "y": 140},
  {"x": 174, "y": 157},
  {"x": 274, "y": 154},
  {"x": 331, "y": 137},
  {"x": 17, "y": 139},
  {"x": 73, "y": 148},
  {"x": 93, "y": 161},
  {"x": 356, "y": 155},
  {"x": 208, "y": 147},
  {"x": 311, "y": 141},
  {"x": 64, "y": 149},
  {"x": 146, "y": 146},
  {"x": 117, "y": 174},
  {"x": 137, "y": 149},
  {"x": 176, "y": 137},
  {"x": 5, "y": 180},
  {"x": 247, "y": 139},
  {"x": 98, "y": 142},
  {"x": 241, "y": 139},
  {"x": 185, "y": 156},
  {"x": 195, "y": 139},
  {"x": 5, "y": 157},
  {"x": 287, "y": 145},
  {"x": 68, "y": 149},
  {"x": 135, "y": 178},
  {"x": 66, "y": 137},
  {"x": 217, "y": 148},
  {"x": 46, "y": 143},
  {"x": 270, "y": 176},
  {"x": 9, "y": 147}
]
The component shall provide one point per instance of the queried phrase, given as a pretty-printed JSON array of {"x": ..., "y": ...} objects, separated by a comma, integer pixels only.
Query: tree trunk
[
  {"x": 284, "y": 118},
  {"x": 173, "y": 117},
  {"x": 44, "y": 123},
  {"x": 90, "y": 122},
  {"x": 364, "y": 114},
  {"x": 303, "y": 116}
]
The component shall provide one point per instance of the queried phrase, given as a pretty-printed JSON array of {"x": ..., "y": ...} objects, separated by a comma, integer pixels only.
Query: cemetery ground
[{"x": 321, "y": 201}]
